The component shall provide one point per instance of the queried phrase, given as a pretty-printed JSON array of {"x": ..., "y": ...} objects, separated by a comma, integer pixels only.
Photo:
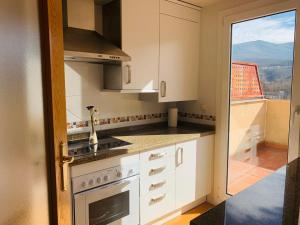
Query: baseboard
[{"x": 177, "y": 212}]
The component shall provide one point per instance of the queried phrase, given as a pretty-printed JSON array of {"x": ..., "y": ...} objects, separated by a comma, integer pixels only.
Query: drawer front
[
  {"x": 179, "y": 11},
  {"x": 157, "y": 162},
  {"x": 159, "y": 202},
  {"x": 155, "y": 184},
  {"x": 157, "y": 154}
]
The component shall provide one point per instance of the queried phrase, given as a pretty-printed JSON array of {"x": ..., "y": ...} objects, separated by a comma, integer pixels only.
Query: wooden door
[
  {"x": 185, "y": 161},
  {"x": 140, "y": 39},
  {"x": 55, "y": 106},
  {"x": 179, "y": 59}
]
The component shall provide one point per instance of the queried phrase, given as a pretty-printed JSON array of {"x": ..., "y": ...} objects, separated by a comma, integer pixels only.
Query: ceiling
[{"x": 202, "y": 3}]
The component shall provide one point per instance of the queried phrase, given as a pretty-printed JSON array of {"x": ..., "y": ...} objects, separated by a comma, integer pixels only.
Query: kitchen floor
[
  {"x": 190, "y": 215},
  {"x": 244, "y": 174}
]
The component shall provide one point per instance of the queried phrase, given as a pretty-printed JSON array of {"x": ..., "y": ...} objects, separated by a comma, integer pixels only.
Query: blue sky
[{"x": 278, "y": 28}]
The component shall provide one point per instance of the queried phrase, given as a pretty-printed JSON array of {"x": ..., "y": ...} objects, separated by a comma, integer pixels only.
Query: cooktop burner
[{"x": 84, "y": 148}]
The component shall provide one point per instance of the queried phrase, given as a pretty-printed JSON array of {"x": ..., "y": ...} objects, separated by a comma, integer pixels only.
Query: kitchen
[{"x": 129, "y": 128}]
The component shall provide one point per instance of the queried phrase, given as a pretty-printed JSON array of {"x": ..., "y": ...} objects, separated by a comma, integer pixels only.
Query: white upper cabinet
[
  {"x": 138, "y": 34},
  {"x": 162, "y": 37},
  {"x": 179, "y": 52},
  {"x": 140, "y": 39}
]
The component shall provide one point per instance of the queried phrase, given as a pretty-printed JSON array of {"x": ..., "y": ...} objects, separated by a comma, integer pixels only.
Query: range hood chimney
[{"x": 85, "y": 45}]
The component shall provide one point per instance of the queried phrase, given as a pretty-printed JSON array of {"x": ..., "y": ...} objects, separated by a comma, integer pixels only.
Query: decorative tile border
[
  {"x": 196, "y": 116},
  {"x": 115, "y": 120},
  {"x": 145, "y": 117}
]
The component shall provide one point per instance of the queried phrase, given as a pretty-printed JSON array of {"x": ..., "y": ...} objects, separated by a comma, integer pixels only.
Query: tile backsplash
[
  {"x": 197, "y": 118},
  {"x": 114, "y": 122}
]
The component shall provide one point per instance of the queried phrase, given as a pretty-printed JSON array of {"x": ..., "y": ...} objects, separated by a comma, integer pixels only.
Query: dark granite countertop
[
  {"x": 274, "y": 200},
  {"x": 138, "y": 139}
]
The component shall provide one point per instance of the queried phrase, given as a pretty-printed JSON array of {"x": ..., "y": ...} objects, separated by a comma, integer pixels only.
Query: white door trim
[{"x": 226, "y": 18}]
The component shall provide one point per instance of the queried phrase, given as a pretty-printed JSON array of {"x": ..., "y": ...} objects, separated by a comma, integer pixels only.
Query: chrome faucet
[{"x": 93, "y": 140}]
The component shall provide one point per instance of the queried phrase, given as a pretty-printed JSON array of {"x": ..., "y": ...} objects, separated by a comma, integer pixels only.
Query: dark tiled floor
[{"x": 244, "y": 174}]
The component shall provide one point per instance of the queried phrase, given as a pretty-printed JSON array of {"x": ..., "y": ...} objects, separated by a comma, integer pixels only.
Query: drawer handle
[
  {"x": 157, "y": 170},
  {"x": 158, "y": 199},
  {"x": 157, "y": 155},
  {"x": 157, "y": 185}
]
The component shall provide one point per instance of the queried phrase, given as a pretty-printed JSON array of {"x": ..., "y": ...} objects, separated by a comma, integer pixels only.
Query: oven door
[{"x": 114, "y": 204}]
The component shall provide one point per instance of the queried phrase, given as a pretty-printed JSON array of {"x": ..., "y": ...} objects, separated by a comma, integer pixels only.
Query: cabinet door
[
  {"x": 140, "y": 39},
  {"x": 186, "y": 171},
  {"x": 204, "y": 164},
  {"x": 179, "y": 59}
]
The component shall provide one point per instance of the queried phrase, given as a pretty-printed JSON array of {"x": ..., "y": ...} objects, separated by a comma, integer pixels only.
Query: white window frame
[{"x": 226, "y": 19}]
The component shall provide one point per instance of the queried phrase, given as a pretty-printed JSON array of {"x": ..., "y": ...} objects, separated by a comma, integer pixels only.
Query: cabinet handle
[
  {"x": 179, "y": 151},
  {"x": 163, "y": 88},
  {"x": 158, "y": 199},
  {"x": 157, "y": 155},
  {"x": 157, "y": 185},
  {"x": 129, "y": 74},
  {"x": 157, "y": 170}
]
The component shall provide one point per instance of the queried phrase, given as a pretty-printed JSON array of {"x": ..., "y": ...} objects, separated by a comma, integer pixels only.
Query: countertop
[
  {"x": 143, "y": 138},
  {"x": 274, "y": 200}
]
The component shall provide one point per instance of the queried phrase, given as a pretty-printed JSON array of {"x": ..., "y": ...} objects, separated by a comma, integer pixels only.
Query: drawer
[
  {"x": 157, "y": 154},
  {"x": 157, "y": 167},
  {"x": 179, "y": 11},
  {"x": 157, "y": 162},
  {"x": 156, "y": 183},
  {"x": 159, "y": 202}
]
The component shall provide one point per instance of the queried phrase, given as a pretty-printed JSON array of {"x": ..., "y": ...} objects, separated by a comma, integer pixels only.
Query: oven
[{"x": 109, "y": 196}]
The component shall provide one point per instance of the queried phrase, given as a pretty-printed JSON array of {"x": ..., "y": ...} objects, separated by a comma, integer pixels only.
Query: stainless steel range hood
[
  {"x": 84, "y": 43},
  {"x": 89, "y": 46}
]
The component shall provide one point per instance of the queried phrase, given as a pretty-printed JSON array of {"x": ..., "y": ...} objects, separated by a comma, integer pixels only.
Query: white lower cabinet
[
  {"x": 193, "y": 161},
  {"x": 204, "y": 164},
  {"x": 157, "y": 179},
  {"x": 186, "y": 173},
  {"x": 157, "y": 197},
  {"x": 174, "y": 176}
]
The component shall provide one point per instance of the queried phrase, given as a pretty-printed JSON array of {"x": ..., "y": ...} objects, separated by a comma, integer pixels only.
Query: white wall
[{"x": 23, "y": 186}]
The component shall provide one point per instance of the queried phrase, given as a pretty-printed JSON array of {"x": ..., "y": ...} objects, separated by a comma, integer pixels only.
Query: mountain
[
  {"x": 275, "y": 63},
  {"x": 264, "y": 53}
]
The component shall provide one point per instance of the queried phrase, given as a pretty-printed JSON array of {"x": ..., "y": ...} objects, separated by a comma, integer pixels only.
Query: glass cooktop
[{"x": 82, "y": 148}]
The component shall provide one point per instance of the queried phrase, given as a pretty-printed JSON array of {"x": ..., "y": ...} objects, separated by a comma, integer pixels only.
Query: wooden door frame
[{"x": 51, "y": 28}]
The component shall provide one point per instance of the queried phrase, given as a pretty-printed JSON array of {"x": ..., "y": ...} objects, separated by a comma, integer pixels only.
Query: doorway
[{"x": 262, "y": 60}]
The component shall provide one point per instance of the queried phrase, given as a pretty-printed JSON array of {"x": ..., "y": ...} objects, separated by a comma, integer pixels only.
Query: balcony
[{"x": 258, "y": 129}]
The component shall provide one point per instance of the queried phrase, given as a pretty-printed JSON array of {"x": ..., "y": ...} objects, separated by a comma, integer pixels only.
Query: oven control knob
[
  {"x": 98, "y": 180},
  {"x": 105, "y": 178},
  {"x": 91, "y": 182},
  {"x": 83, "y": 184}
]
